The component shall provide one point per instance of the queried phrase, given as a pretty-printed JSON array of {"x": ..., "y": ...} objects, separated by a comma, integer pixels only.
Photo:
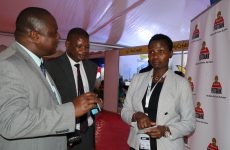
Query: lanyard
[{"x": 150, "y": 91}]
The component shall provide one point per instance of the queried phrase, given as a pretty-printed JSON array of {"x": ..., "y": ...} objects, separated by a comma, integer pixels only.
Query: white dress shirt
[
  {"x": 38, "y": 61},
  {"x": 85, "y": 84}
]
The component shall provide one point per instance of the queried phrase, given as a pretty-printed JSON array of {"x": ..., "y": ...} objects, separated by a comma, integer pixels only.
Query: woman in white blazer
[{"x": 159, "y": 99}]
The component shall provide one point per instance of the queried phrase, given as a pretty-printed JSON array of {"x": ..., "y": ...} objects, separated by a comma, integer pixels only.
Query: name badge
[{"x": 144, "y": 142}]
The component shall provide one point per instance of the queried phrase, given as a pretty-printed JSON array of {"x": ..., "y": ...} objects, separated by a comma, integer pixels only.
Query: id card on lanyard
[
  {"x": 144, "y": 140},
  {"x": 150, "y": 91}
]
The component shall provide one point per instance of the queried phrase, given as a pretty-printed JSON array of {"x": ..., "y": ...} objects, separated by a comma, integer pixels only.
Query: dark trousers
[{"x": 88, "y": 140}]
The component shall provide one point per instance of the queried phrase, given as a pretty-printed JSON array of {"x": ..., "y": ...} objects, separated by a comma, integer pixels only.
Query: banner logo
[
  {"x": 218, "y": 26},
  {"x": 199, "y": 111},
  {"x": 204, "y": 55},
  {"x": 212, "y": 145},
  {"x": 216, "y": 89},
  {"x": 204, "y": 52},
  {"x": 219, "y": 21},
  {"x": 196, "y": 32},
  {"x": 216, "y": 86}
]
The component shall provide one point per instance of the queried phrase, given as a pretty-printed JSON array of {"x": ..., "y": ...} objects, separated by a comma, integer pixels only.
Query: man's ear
[
  {"x": 34, "y": 35},
  {"x": 171, "y": 53},
  {"x": 67, "y": 44}
]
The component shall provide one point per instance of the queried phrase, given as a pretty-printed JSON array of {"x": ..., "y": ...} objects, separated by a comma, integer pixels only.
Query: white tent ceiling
[{"x": 125, "y": 23}]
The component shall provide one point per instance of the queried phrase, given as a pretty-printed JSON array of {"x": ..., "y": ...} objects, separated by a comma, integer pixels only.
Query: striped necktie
[{"x": 43, "y": 69}]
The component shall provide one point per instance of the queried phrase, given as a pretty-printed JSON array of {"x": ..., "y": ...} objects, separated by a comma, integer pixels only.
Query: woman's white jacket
[{"x": 175, "y": 109}]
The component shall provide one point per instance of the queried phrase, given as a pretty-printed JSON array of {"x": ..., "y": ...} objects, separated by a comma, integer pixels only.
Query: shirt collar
[
  {"x": 36, "y": 59},
  {"x": 72, "y": 62}
]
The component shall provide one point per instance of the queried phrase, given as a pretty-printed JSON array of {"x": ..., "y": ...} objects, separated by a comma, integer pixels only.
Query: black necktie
[
  {"x": 79, "y": 81},
  {"x": 83, "y": 119},
  {"x": 43, "y": 69}
]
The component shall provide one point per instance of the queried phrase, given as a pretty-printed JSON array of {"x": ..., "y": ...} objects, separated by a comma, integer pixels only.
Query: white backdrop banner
[{"x": 208, "y": 71}]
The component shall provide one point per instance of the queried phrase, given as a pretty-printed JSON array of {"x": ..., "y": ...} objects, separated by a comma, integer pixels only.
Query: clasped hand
[{"x": 143, "y": 121}]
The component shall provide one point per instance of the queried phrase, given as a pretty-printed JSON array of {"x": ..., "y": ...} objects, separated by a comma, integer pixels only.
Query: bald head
[
  {"x": 31, "y": 18},
  {"x": 37, "y": 30}
]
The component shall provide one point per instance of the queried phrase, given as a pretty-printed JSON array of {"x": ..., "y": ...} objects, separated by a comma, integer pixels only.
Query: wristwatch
[{"x": 167, "y": 132}]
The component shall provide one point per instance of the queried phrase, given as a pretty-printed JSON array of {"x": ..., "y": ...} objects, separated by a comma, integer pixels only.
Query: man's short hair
[
  {"x": 162, "y": 37},
  {"x": 77, "y": 32}
]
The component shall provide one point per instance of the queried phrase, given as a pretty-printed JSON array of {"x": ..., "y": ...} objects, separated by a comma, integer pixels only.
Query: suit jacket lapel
[
  {"x": 65, "y": 65},
  {"x": 144, "y": 80},
  {"x": 164, "y": 99},
  {"x": 33, "y": 67},
  {"x": 53, "y": 84}
]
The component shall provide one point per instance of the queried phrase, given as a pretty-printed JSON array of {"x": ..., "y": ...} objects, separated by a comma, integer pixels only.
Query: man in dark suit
[{"x": 65, "y": 75}]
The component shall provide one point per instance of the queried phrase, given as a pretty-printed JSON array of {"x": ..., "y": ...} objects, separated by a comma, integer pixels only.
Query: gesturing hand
[{"x": 84, "y": 103}]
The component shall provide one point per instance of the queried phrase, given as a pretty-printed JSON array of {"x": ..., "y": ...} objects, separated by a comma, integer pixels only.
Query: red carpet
[{"x": 111, "y": 132}]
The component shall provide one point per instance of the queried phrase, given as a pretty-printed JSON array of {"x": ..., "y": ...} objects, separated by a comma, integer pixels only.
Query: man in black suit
[{"x": 64, "y": 72}]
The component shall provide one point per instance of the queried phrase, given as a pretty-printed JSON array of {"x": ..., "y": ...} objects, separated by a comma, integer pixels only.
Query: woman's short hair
[{"x": 162, "y": 37}]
